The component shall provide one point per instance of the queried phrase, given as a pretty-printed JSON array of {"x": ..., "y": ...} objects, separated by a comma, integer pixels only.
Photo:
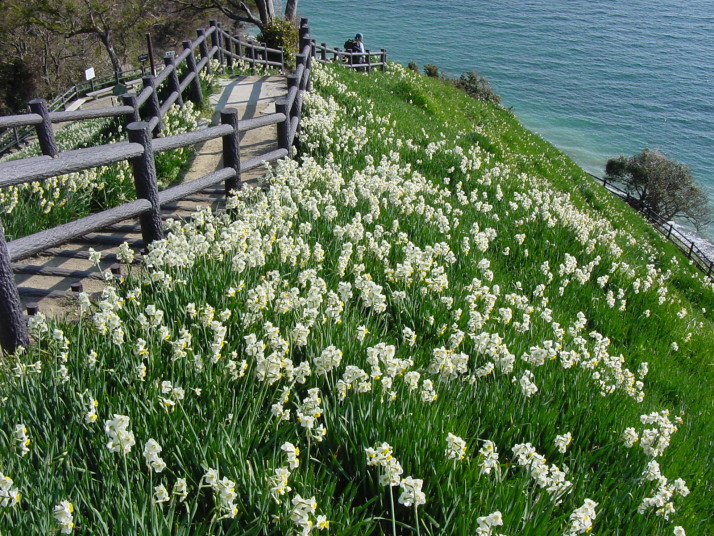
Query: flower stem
[{"x": 394, "y": 520}]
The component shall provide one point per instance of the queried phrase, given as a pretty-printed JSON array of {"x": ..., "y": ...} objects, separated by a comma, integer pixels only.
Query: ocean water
[{"x": 596, "y": 79}]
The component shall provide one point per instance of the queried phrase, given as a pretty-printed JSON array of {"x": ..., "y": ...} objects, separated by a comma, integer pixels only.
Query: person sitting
[{"x": 359, "y": 44}]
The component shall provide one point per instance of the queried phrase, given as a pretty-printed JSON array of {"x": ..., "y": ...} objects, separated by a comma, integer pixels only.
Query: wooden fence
[
  {"x": 11, "y": 138},
  {"x": 140, "y": 150},
  {"x": 352, "y": 60},
  {"x": 671, "y": 233}
]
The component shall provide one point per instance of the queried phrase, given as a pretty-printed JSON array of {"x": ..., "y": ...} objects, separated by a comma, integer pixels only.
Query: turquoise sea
[{"x": 596, "y": 79}]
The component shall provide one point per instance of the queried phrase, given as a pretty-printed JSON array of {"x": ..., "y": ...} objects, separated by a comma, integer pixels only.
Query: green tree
[
  {"x": 243, "y": 12},
  {"x": 110, "y": 23},
  {"x": 663, "y": 186}
]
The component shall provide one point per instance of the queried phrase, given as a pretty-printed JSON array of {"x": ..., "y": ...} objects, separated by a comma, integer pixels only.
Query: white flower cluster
[
  {"x": 9, "y": 496},
  {"x": 486, "y": 524},
  {"x": 22, "y": 439},
  {"x": 381, "y": 455},
  {"x": 655, "y": 440},
  {"x": 224, "y": 492},
  {"x": 302, "y": 515},
  {"x": 455, "y": 447},
  {"x": 552, "y": 479},
  {"x": 581, "y": 520},
  {"x": 63, "y": 514},
  {"x": 152, "y": 449},
  {"x": 662, "y": 500},
  {"x": 121, "y": 439},
  {"x": 489, "y": 457}
]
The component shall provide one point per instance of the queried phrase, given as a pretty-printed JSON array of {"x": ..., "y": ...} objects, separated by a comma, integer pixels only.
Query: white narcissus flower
[
  {"x": 563, "y": 441},
  {"x": 293, "y": 454},
  {"x": 161, "y": 494},
  {"x": 411, "y": 492},
  {"x": 151, "y": 454},
  {"x": 63, "y": 515},
  {"x": 486, "y": 523},
  {"x": 455, "y": 447},
  {"x": 121, "y": 439}
]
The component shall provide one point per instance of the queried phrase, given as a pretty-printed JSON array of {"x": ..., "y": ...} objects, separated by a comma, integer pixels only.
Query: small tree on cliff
[{"x": 661, "y": 185}]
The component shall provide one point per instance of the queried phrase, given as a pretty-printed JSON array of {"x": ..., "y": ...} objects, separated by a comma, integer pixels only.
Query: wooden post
[
  {"x": 203, "y": 47},
  {"x": 368, "y": 57},
  {"x": 13, "y": 330},
  {"x": 304, "y": 29},
  {"x": 215, "y": 41},
  {"x": 145, "y": 182},
  {"x": 228, "y": 45},
  {"x": 294, "y": 111},
  {"x": 307, "y": 86},
  {"x": 252, "y": 57},
  {"x": 174, "y": 84},
  {"x": 129, "y": 99},
  {"x": 281, "y": 107},
  {"x": 384, "y": 59},
  {"x": 196, "y": 93},
  {"x": 281, "y": 59},
  {"x": 323, "y": 56},
  {"x": 150, "y": 49},
  {"x": 153, "y": 106},
  {"x": 239, "y": 49},
  {"x": 265, "y": 55},
  {"x": 45, "y": 135},
  {"x": 231, "y": 149}
]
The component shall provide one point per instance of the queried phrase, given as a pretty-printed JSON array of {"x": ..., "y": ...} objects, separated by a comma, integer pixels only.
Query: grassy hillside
[{"x": 432, "y": 323}]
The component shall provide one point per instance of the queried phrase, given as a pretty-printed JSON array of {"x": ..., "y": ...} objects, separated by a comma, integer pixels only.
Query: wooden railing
[
  {"x": 671, "y": 233},
  {"x": 18, "y": 128},
  {"x": 140, "y": 150},
  {"x": 353, "y": 60},
  {"x": 11, "y": 138}
]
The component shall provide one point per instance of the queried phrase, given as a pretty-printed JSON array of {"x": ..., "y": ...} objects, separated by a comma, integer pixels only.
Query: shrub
[
  {"x": 413, "y": 66},
  {"x": 431, "y": 70},
  {"x": 478, "y": 87},
  {"x": 282, "y": 33}
]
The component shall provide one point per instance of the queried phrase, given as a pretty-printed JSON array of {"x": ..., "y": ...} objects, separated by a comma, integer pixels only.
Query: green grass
[{"x": 464, "y": 228}]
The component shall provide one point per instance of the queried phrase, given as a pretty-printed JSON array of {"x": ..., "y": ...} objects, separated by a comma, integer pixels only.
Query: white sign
[{"x": 89, "y": 73}]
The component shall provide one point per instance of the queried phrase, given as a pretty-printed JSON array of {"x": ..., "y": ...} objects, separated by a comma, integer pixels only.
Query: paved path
[{"x": 252, "y": 96}]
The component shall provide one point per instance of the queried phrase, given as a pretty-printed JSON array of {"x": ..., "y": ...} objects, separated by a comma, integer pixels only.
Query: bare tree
[{"x": 661, "y": 185}]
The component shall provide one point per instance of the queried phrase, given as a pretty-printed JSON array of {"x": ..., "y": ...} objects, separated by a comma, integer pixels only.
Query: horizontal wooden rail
[
  {"x": 176, "y": 193},
  {"x": 21, "y": 171},
  {"x": 27, "y": 246},
  {"x": 190, "y": 138}
]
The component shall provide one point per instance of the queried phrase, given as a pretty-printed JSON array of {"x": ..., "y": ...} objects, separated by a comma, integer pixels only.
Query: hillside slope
[{"x": 432, "y": 323}]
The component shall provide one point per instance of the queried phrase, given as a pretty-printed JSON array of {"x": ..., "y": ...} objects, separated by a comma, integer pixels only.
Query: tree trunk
[
  {"x": 291, "y": 10},
  {"x": 263, "y": 11},
  {"x": 106, "y": 39}
]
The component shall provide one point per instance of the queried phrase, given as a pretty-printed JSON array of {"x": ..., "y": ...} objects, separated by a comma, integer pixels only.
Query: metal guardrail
[
  {"x": 140, "y": 151},
  {"x": 671, "y": 233}
]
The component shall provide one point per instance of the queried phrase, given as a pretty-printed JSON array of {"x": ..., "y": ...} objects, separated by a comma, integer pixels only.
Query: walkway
[{"x": 52, "y": 280}]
